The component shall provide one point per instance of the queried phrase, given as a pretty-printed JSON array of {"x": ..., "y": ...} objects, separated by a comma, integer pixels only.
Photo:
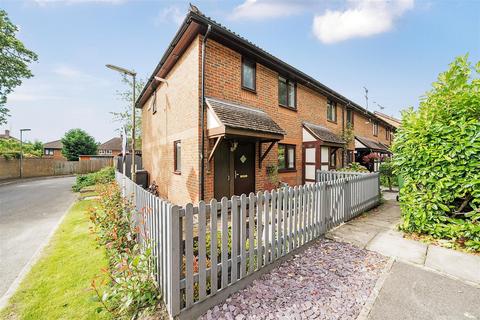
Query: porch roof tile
[
  {"x": 240, "y": 116},
  {"x": 371, "y": 144},
  {"x": 323, "y": 133}
]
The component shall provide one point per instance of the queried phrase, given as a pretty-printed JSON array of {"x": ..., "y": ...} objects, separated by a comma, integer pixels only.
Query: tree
[
  {"x": 10, "y": 149},
  {"x": 77, "y": 142},
  {"x": 437, "y": 153},
  {"x": 125, "y": 117},
  {"x": 14, "y": 60}
]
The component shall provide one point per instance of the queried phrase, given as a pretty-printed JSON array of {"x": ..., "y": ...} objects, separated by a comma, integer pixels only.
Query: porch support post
[
  {"x": 262, "y": 156},
  {"x": 212, "y": 152}
]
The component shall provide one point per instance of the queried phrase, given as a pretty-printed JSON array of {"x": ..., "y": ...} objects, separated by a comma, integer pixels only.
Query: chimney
[{"x": 7, "y": 133}]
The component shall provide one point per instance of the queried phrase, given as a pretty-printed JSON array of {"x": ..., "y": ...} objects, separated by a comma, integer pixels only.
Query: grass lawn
[{"x": 58, "y": 285}]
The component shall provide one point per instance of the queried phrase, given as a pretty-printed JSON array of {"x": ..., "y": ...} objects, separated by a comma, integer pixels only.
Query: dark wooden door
[
  {"x": 222, "y": 172},
  {"x": 244, "y": 168}
]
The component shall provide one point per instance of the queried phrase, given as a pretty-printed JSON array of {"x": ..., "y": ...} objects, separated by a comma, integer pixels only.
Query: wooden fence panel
[{"x": 260, "y": 227}]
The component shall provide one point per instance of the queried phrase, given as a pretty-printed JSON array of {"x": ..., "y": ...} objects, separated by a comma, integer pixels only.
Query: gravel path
[{"x": 330, "y": 280}]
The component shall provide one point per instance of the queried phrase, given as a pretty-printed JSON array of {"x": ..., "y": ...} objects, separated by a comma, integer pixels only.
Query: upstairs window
[
  {"x": 287, "y": 95},
  {"x": 331, "y": 111},
  {"x": 49, "y": 152},
  {"x": 249, "y": 74},
  {"x": 350, "y": 118},
  {"x": 387, "y": 134},
  {"x": 177, "y": 156},
  {"x": 286, "y": 157},
  {"x": 375, "y": 129}
]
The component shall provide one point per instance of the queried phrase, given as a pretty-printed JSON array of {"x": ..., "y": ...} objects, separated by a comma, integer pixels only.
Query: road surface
[{"x": 29, "y": 211}]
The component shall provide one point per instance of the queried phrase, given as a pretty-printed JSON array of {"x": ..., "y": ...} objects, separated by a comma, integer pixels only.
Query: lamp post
[
  {"x": 21, "y": 150},
  {"x": 133, "y": 74}
]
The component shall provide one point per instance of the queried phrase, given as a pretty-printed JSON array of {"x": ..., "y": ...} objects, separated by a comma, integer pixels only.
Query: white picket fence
[{"x": 205, "y": 249}]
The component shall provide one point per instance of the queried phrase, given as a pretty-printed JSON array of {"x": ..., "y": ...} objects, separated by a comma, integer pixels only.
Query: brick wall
[
  {"x": 178, "y": 115},
  {"x": 223, "y": 80},
  {"x": 176, "y": 118}
]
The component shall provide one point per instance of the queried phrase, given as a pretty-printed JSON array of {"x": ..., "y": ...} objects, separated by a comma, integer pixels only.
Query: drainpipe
[{"x": 202, "y": 118}]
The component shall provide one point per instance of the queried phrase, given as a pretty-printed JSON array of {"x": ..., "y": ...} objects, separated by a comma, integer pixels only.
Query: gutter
[{"x": 202, "y": 118}]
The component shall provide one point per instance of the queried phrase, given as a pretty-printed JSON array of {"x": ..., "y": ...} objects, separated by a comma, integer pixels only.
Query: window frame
[
  {"x": 350, "y": 156},
  {"x": 375, "y": 128},
  {"x": 288, "y": 83},
  {"x": 254, "y": 64},
  {"x": 330, "y": 102},
  {"x": 288, "y": 146},
  {"x": 177, "y": 170},
  {"x": 351, "y": 123},
  {"x": 48, "y": 152}
]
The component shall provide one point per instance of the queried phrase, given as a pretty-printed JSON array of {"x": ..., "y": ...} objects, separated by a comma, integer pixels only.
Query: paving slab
[
  {"x": 359, "y": 235},
  {"x": 459, "y": 264},
  {"x": 392, "y": 244},
  {"x": 411, "y": 292}
]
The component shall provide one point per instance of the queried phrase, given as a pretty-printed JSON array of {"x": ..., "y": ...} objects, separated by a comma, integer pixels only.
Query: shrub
[
  {"x": 354, "y": 167},
  {"x": 387, "y": 177},
  {"x": 105, "y": 175},
  {"x": 437, "y": 153},
  {"x": 131, "y": 290}
]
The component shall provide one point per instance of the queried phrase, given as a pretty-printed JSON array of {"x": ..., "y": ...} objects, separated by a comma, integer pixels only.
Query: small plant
[
  {"x": 354, "y": 167},
  {"x": 131, "y": 289},
  {"x": 272, "y": 174}
]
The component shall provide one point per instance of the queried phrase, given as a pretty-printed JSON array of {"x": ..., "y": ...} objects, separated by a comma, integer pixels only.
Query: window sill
[
  {"x": 286, "y": 170},
  {"x": 177, "y": 172},
  {"x": 332, "y": 121},
  {"x": 287, "y": 107},
  {"x": 254, "y": 91}
]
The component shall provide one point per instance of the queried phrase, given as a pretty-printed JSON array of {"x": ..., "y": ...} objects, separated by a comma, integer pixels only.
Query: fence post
[
  {"x": 173, "y": 261},
  {"x": 348, "y": 204},
  {"x": 379, "y": 190}
]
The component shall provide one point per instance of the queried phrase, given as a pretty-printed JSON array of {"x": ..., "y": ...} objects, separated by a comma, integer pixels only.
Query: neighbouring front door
[{"x": 244, "y": 168}]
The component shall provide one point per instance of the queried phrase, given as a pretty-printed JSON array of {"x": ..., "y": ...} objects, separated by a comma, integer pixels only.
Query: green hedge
[
  {"x": 437, "y": 152},
  {"x": 105, "y": 175}
]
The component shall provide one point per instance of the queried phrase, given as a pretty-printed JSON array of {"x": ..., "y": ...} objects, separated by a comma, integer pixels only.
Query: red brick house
[
  {"x": 53, "y": 149},
  {"x": 220, "y": 116}
]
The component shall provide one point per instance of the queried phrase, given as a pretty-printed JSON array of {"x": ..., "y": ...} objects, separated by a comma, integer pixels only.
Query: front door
[{"x": 244, "y": 168}]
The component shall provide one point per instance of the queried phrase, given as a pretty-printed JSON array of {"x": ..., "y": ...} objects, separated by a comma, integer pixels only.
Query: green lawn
[{"x": 58, "y": 286}]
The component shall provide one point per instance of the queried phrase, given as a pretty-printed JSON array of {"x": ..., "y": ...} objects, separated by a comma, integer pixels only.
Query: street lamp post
[
  {"x": 133, "y": 74},
  {"x": 21, "y": 150}
]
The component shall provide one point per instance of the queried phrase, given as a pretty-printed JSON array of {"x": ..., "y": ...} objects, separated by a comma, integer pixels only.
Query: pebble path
[{"x": 329, "y": 280}]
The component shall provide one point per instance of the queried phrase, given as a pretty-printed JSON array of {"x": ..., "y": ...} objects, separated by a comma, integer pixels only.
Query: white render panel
[
  {"x": 307, "y": 137},
  {"x": 212, "y": 121},
  {"x": 309, "y": 154},
  {"x": 324, "y": 155},
  {"x": 310, "y": 171}
]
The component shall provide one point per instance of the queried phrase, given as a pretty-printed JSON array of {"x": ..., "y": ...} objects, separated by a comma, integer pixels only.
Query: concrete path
[
  {"x": 424, "y": 281},
  {"x": 411, "y": 292},
  {"x": 377, "y": 231},
  {"x": 29, "y": 211}
]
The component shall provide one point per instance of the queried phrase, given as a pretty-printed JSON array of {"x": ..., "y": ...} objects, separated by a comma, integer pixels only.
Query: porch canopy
[
  {"x": 373, "y": 146},
  {"x": 228, "y": 119},
  {"x": 324, "y": 134}
]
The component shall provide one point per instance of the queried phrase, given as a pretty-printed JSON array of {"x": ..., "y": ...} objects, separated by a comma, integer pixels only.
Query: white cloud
[
  {"x": 365, "y": 18},
  {"x": 50, "y": 2},
  {"x": 264, "y": 9},
  {"x": 171, "y": 14},
  {"x": 73, "y": 74}
]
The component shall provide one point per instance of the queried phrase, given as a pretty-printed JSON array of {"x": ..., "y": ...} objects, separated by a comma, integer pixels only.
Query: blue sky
[{"x": 395, "y": 49}]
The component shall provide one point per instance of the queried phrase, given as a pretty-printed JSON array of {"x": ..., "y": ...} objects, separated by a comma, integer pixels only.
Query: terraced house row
[{"x": 222, "y": 117}]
